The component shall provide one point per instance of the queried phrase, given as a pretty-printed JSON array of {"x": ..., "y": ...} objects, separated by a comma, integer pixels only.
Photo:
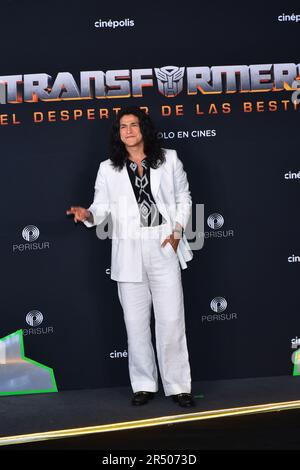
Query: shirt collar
[{"x": 134, "y": 166}]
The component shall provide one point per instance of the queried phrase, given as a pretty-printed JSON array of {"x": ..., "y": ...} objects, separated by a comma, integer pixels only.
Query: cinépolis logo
[
  {"x": 30, "y": 234},
  {"x": 118, "y": 354},
  {"x": 295, "y": 357},
  {"x": 291, "y": 17},
  {"x": 114, "y": 23},
  {"x": 292, "y": 175},
  {"x": 34, "y": 319}
]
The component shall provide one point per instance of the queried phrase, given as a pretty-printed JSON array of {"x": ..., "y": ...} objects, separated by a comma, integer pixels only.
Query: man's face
[{"x": 130, "y": 132}]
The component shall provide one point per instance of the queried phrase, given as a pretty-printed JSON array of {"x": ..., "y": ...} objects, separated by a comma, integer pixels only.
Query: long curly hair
[{"x": 154, "y": 152}]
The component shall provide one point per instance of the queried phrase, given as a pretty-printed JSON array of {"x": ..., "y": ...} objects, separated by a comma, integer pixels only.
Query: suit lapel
[
  {"x": 126, "y": 186},
  {"x": 155, "y": 176}
]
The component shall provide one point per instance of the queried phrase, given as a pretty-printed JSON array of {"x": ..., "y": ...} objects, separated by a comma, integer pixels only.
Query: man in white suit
[{"x": 145, "y": 189}]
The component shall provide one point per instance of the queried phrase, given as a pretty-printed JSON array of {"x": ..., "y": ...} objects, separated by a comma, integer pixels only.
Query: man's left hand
[{"x": 173, "y": 239}]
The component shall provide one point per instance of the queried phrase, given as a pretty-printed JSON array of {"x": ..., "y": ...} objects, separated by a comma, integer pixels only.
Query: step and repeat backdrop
[{"x": 221, "y": 86}]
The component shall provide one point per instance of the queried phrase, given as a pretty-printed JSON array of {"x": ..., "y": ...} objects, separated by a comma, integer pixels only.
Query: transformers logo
[
  {"x": 126, "y": 83},
  {"x": 170, "y": 80}
]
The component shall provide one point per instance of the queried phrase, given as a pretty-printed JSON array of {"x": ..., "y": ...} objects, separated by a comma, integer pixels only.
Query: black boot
[
  {"x": 184, "y": 399},
  {"x": 141, "y": 398}
]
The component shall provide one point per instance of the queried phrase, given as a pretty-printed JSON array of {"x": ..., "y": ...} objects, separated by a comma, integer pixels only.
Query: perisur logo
[
  {"x": 215, "y": 222},
  {"x": 218, "y": 305},
  {"x": 34, "y": 319},
  {"x": 30, "y": 234}
]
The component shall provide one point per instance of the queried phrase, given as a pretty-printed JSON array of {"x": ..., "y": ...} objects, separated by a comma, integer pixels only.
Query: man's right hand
[{"x": 80, "y": 213}]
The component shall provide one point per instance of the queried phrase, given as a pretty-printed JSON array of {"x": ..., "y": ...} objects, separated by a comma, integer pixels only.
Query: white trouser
[{"x": 161, "y": 285}]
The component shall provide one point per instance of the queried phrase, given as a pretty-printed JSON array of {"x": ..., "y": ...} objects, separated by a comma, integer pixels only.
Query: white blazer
[{"x": 114, "y": 195}]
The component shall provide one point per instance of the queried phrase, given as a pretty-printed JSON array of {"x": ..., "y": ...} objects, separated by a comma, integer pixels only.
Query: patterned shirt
[{"x": 149, "y": 213}]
